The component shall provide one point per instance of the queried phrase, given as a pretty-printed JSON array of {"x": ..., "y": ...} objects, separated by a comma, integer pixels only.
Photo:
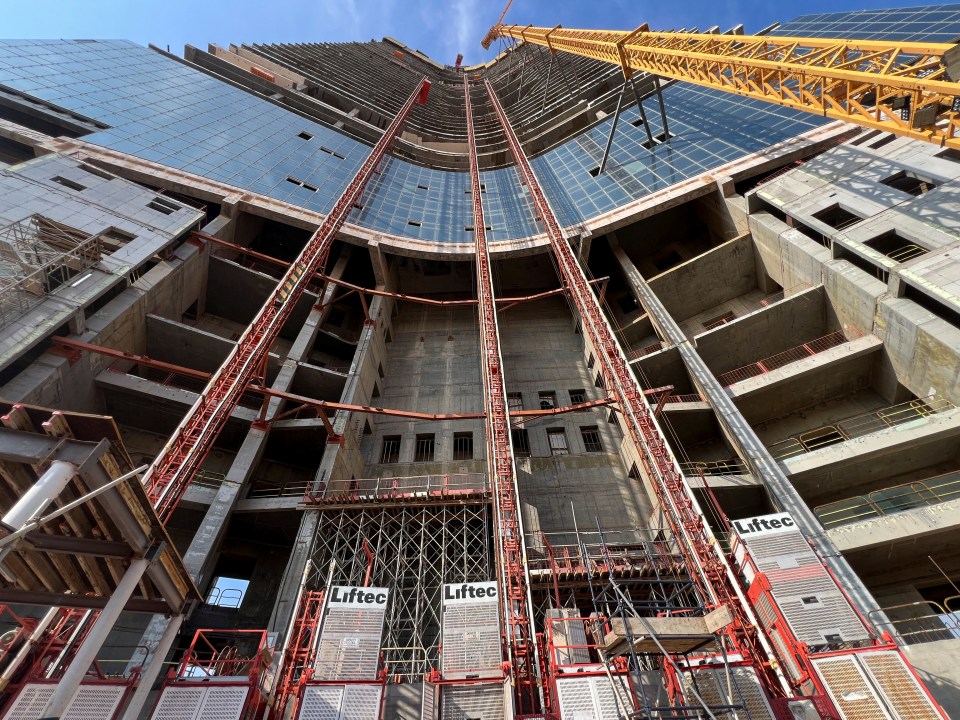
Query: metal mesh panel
[
  {"x": 431, "y": 701},
  {"x": 223, "y": 703},
  {"x": 92, "y": 702},
  {"x": 472, "y": 702},
  {"x": 900, "y": 688},
  {"x": 209, "y": 702},
  {"x": 361, "y": 702},
  {"x": 178, "y": 703},
  {"x": 849, "y": 689},
  {"x": 350, "y": 644},
  {"x": 744, "y": 688},
  {"x": 321, "y": 702},
  {"x": 587, "y": 698},
  {"x": 471, "y": 638}
]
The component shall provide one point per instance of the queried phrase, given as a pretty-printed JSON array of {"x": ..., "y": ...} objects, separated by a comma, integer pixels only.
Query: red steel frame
[
  {"x": 517, "y": 604},
  {"x": 168, "y": 476},
  {"x": 704, "y": 557}
]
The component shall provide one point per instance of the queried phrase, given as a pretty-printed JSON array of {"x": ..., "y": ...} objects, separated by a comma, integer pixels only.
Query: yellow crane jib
[{"x": 905, "y": 88}]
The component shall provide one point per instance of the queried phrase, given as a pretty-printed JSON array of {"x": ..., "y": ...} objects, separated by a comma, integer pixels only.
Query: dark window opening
[
  {"x": 376, "y": 391},
  {"x": 514, "y": 402},
  {"x": 837, "y": 217},
  {"x": 861, "y": 139},
  {"x": 634, "y": 473},
  {"x": 591, "y": 361},
  {"x": 424, "y": 450},
  {"x": 301, "y": 183},
  {"x": 548, "y": 399},
  {"x": 414, "y": 223},
  {"x": 102, "y": 174},
  {"x": 612, "y": 419},
  {"x": 578, "y": 396},
  {"x": 390, "y": 450},
  {"x": 304, "y": 135},
  {"x": 463, "y": 446},
  {"x": 594, "y": 171},
  {"x": 638, "y": 122},
  {"x": 598, "y": 381},
  {"x": 68, "y": 183},
  {"x": 422, "y": 187},
  {"x": 657, "y": 140},
  {"x": 910, "y": 183},
  {"x": 949, "y": 154},
  {"x": 521, "y": 442},
  {"x": 557, "y": 440},
  {"x": 882, "y": 141},
  {"x": 380, "y": 370},
  {"x": 167, "y": 207},
  {"x": 591, "y": 439}
]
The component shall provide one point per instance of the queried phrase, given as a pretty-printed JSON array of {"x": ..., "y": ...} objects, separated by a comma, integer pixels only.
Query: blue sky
[{"x": 440, "y": 29}]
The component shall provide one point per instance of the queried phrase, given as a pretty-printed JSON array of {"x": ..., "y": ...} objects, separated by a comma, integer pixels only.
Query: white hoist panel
[
  {"x": 592, "y": 697},
  {"x": 341, "y": 702},
  {"x": 201, "y": 702},
  {"x": 486, "y": 701},
  {"x": 349, "y": 647},
  {"x": 431, "y": 702},
  {"x": 741, "y": 688},
  {"x": 875, "y": 684},
  {"x": 811, "y": 602},
  {"x": 471, "y": 631},
  {"x": 91, "y": 702}
]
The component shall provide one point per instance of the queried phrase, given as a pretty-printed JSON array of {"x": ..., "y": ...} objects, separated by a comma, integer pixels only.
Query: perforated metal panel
[
  {"x": 471, "y": 637},
  {"x": 566, "y": 634},
  {"x": 206, "y": 702},
  {"x": 92, "y": 702},
  {"x": 321, "y": 702},
  {"x": 849, "y": 688},
  {"x": 898, "y": 686},
  {"x": 431, "y": 702},
  {"x": 472, "y": 702},
  {"x": 809, "y": 599},
  {"x": 361, "y": 702},
  {"x": 349, "y": 647},
  {"x": 588, "y": 698},
  {"x": 743, "y": 687}
]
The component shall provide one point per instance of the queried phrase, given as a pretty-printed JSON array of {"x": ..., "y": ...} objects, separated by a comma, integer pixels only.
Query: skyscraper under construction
[{"x": 340, "y": 383}]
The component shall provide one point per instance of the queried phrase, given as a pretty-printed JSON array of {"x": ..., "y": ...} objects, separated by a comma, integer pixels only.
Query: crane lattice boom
[{"x": 899, "y": 87}]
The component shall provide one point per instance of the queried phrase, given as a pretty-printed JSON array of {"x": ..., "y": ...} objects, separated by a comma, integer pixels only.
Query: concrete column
[
  {"x": 756, "y": 455},
  {"x": 149, "y": 675},
  {"x": 106, "y": 619}
]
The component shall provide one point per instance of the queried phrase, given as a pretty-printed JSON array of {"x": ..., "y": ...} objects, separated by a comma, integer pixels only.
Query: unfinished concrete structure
[{"x": 787, "y": 290}]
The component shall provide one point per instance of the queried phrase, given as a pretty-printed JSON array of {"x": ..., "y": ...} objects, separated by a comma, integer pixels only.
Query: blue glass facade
[
  {"x": 164, "y": 111},
  {"x": 930, "y": 23}
]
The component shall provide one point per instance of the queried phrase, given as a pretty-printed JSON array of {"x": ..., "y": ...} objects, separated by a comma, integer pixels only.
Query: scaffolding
[{"x": 37, "y": 256}]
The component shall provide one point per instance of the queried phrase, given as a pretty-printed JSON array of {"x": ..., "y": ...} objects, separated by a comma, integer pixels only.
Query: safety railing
[
  {"x": 646, "y": 350},
  {"x": 761, "y": 367},
  {"x": 918, "y": 622},
  {"x": 732, "y": 466},
  {"x": 691, "y": 397},
  {"x": 584, "y": 552},
  {"x": 888, "y": 501},
  {"x": 417, "y": 486},
  {"x": 296, "y": 488},
  {"x": 859, "y": 425},
  {"x": 208, "y": 479}
]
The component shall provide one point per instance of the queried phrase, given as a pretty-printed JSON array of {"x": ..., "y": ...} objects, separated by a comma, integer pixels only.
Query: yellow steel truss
[{"x": 899, "y": 87}]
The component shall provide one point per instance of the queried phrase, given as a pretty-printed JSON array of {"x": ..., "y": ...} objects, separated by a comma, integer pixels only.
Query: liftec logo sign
[
  {"x": 470, "y": 593},
  {"x": 764, "y": 525},
  {"x": 361, "y": 597}
]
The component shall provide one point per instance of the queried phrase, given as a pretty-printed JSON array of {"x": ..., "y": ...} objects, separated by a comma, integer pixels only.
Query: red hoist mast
[
  {"x": 704, "y": 557},
  {"x": 511, "y": 553},
  {"x": 167, "y": 478}
]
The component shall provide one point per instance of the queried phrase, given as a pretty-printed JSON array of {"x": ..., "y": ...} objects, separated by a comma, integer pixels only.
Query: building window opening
[
  {"x": 227, "y": 592},
  {"x": 598, "y": 382},
  {"x": 463, "y": 446},
  {"x": 548, "y": 399},
  {"x": 162, "y": 205},
  {"x": 578, "y": 396},
  {"x": 304, "y": 135},
  {"x": 68, "y": 183},
  {"x": 390, "y": 451},
  {"x": 557, "y": 439},
  {"x": 521, "y": 442},
  {"x": 591, "y": 439},
  {"x": 426, "y": 445},
  {"x": 837, "y": 217},
  {"x": 514, "y": 402}
]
